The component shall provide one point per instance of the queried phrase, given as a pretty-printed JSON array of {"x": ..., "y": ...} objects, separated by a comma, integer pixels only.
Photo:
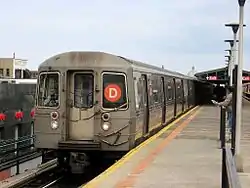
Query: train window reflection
[
  {"x": 83, "y": 90},
  {"x": 114, "y": 91},
  {"x": 48, "y": 90}
]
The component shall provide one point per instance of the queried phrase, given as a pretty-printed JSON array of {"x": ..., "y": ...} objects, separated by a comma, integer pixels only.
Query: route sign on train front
[{"x": 112, "y": 92}]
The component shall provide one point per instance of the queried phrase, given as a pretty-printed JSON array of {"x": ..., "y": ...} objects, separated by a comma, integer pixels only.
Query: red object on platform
[
  {"x": 246, "y": 77},
  {"x": 2, "y": 117},
  {"x": 19, "y": 115},
  {"x": 32, "y": 113}
]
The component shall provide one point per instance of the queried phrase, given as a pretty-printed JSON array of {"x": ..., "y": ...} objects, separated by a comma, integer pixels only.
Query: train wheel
[{"x": 64, "y": 160}]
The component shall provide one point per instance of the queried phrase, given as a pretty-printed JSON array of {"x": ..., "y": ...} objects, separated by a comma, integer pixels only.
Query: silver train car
[{"x": 104, "y": 105}]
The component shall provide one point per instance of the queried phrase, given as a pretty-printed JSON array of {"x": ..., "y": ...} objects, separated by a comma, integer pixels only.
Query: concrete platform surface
[{"x": 183, "y": 155}]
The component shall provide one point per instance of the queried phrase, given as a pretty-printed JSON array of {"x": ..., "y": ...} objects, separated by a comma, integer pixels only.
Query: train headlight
[
  {"x": 106, "y": 126},
  {"x": 54, "y": 124}
]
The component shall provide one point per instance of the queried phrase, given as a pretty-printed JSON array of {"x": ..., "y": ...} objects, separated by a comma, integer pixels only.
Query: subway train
[{"x": 103, "y": 105}]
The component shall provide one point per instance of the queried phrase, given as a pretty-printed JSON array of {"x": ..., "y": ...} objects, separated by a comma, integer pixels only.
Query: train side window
[
  {"x": 170, "y": 88},
  {"x": 138, "y": 92},
  {"x": 114, "y": 91},
  {"x": 190, "y": 88},
  {"x": 48, "y": 91},
  {"x": 178, "y": 89},
  {"x": 83, "y": 90},
  {"x": 155, "y": 88},
  {"x": 185, "y": 87},
  {"x": 174, "y": 88},
  {"x": 166, "y": 88},
  {"x": 162, "y": 91}
]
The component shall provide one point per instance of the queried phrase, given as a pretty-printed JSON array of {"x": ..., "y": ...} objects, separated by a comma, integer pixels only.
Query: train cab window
[
  {"x": 48, "y": 90},
  {"x": 83, "y": 90},
  {"x": 114, "y": 90}
]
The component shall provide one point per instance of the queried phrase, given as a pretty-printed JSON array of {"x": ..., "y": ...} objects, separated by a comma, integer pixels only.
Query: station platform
[{"x": 185, "y": 154}]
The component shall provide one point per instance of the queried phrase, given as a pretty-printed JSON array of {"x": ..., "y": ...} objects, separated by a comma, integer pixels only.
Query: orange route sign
[{"x": 112, "y": 92}]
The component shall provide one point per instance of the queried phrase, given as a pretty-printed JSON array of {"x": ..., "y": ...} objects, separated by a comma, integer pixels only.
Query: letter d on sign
[{"x": 112, "y": 92}]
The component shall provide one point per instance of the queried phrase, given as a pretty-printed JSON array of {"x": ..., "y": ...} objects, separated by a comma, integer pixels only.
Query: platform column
[
  {"x": 17, "y": 147},
  {"x": 32, "y": 134},
  {"x": 16, "y": 138},
  {"x": 238, "y": 157}
]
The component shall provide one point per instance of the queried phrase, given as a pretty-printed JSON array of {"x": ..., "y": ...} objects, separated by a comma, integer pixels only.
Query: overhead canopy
[{"x": 220, "y": 75}]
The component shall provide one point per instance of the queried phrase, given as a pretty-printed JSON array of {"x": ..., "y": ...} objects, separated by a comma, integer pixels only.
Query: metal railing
[
  {"x": 15, "y": 147},
  {"x": 13, "y": 151},
  {"x": 229, "y": 175}
]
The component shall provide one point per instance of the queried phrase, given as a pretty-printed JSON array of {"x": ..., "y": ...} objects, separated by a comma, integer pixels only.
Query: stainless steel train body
[{"x": 94, "y": 101}]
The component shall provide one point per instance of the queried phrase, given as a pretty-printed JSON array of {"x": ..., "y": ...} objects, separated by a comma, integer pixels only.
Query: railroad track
[
  {"x": 49, "y": 175},
  {"x": 30, "y": 176},
  {"x": 70, "y": 181},
  {"x": 75, "y": 180},
  {"x": 45, "y": 180},
  {"x": 66, "y": 180}
]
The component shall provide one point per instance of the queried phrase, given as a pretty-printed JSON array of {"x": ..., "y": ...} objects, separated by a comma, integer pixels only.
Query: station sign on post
[
  {"x": 211, "y": 77},
  {"x": 245, "y": 77},
  {"x": 112, "y": 93}
]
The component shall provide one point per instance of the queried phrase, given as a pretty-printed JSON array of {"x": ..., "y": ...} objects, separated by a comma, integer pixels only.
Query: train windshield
[
  {"x": 114, "y": 91},
  {"x": 48, "y": 90},
  {"x": 83, "y": 90}
]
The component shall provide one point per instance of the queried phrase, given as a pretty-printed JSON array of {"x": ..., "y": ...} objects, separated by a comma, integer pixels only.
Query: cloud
[{"x": 178, "y": 34}]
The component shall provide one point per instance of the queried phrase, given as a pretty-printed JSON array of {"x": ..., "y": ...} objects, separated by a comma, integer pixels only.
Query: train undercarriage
[{"x": 80, "y": 160}]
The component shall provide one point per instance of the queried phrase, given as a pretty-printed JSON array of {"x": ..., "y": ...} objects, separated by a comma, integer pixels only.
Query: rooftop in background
[{"x": 15, "y": 68}]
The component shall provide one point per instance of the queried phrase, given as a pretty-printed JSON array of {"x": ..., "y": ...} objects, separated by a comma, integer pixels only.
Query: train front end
[{"x": 82, "y": 106}]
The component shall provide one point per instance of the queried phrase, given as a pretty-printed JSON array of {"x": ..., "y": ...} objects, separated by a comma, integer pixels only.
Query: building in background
[
  {"x": 6, "y": 68},
  {"x": 15, "y": 68},
  {"x": 34, "y": 74}
]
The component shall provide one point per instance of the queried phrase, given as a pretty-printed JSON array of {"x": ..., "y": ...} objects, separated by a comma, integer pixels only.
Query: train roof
[
  {"x": 72, "y": 55},
  {"x": 158, "y": 69}
]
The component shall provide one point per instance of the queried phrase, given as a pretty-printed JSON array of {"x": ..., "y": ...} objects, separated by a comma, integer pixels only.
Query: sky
[{"x": 177, "y": 34}]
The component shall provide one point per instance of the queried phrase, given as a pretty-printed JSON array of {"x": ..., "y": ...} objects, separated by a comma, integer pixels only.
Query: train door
[
  {"x": 175, "y": 98},
  {"x": 183, "y": 96},
  {"x": 163, "y": 100},
  {"x": 81, "y": 92},
  {"x": 145, "y": 104},
  {"x": 188, "y": 93}
]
